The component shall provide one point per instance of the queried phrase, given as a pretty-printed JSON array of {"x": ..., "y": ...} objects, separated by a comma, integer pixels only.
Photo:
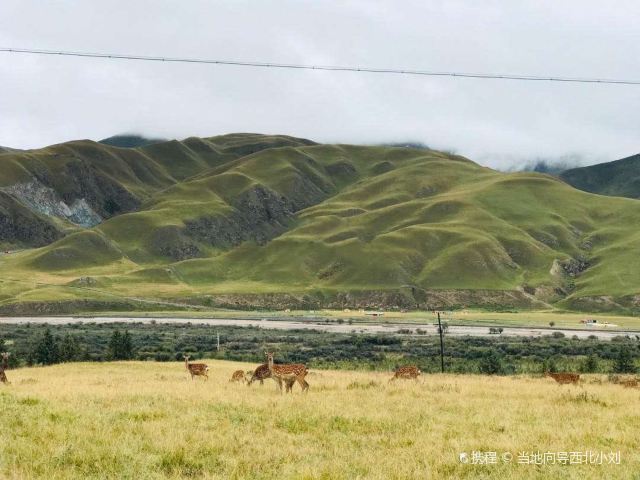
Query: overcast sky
[{"x": 45, "y": 100}]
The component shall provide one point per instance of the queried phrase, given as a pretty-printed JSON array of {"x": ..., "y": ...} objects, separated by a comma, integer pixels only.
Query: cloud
[{"x": 45, "y": 100}]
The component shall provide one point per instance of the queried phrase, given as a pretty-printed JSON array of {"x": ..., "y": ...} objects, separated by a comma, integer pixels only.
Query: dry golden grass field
[{"x": 147, "y": 420}]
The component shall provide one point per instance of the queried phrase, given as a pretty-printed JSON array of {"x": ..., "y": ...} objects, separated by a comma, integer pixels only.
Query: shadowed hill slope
[{"x": 620, "y": 178}]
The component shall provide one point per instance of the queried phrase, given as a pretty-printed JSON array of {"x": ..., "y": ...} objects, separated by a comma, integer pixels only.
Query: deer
[
  {"x": 4, "y": 366},
  {"x": 287, "y": 373},
  {"x": 630, "y": 383},
  {"x": 238, "y": 376},
  {"x": 564, "y": 378},
  {"x": 196, "y": 369},
  {"x": 260, "y": 373},
  {"x": 406, "y": 373}
]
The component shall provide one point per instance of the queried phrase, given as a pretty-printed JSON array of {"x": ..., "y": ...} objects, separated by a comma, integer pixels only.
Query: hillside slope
[
  {"x": 84, "y": 182},
  {"x": 244, "y": 220},
  {"x": 619, "y": 178}
]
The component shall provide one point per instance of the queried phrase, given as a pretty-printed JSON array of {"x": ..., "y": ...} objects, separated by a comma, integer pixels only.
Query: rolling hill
[
  {"x": 620, "y": 178},
  {"x": 247, "y": 220}
]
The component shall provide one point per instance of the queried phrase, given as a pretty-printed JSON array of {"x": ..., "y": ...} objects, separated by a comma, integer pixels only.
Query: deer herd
[{"x": 290, "y": 373}]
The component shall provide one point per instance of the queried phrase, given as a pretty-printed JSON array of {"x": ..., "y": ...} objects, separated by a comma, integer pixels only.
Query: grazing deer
[
  {"x": 238, "y": 376},
  {"x": 288, "y": 373},
  {"x": 196, "y": 369},
  {"x": 4, "y": 366},
  {"x": 408, "y": 372},
  {"x": 261, "y": 373},
  {"x": 564, "y": 378}
]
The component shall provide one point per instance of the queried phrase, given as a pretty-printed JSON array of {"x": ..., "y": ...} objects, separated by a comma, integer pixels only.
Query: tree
[
  {"x": 114, "y": 346},
  {"x": 552, "y": 324},
  {"x": 591, "y": 364},
  {"x": 120, "y": 346},
  {"x": 491, "y": 364},
  {"x": 46, "y": 350},
  {"x": 127, "y": 346},
  {"x": 624, "y": 362},
  {"x": 69, "y": 349}
]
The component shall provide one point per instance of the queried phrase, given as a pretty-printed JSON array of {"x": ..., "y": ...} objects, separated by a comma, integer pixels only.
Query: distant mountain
[
  {"x": 620, "y": 178},
  {"x": 550, "y": 166},
  {"x": 130, "y": 141},
  {"x": 8, "y": 150}
]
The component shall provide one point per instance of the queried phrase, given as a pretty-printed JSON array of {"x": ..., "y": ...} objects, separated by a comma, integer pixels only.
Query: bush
[
  {"x": 591, "y": 364},
  {"x": 492, "y": 364},
  {"x": 624, "y": 362}
]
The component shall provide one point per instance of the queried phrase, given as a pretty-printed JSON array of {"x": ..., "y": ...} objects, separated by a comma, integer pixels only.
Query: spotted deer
[
  {"x": 261, "y": 373},
  {"x": 196, "y": 369},
  {"x": 238, "y": 376},
  {"x": 408, "y": 372},
  {"x": 287, "y": 373},
  {"x": 564, "y": 378},
  {"x": 4, "y": 366}
]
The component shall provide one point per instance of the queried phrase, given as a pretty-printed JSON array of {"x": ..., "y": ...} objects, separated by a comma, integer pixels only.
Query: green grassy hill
[
  {"x": 620, "y": 178},
  {"x": 248, "y": 220}
]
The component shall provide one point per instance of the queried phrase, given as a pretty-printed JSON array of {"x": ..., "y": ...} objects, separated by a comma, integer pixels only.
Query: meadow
[{"x": 148, "y": 420}]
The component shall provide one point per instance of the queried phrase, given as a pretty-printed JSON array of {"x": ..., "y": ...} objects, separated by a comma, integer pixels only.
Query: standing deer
[
  {"x": 196, "y": 369},
  {"x": 4, "y": 366},
  {"x": 408, "y": 372},
  {"x": 564, "y": 378},
  {"x": 288, "y": 373},
  {"x": 238, "y": 376}
]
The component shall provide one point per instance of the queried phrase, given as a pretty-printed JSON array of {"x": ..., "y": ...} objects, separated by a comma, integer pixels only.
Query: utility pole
[
  {"x": 441, "y": 343},
  {"x": 218, "y": 344}
]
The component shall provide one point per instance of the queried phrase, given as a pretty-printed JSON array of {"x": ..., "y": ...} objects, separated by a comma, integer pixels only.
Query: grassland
[
  {"x": 274, "y": 222},
  {"x": 146, "y": 420}
]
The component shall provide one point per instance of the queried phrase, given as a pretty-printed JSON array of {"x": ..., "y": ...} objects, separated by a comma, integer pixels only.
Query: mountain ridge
[{"x": 248, "y": 219}]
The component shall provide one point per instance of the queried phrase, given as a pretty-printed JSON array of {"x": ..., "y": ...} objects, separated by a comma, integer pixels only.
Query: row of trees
[
  {"x": 50, "y": 349},
  {"x": 494, "y": 364},
  {"x": 495, "y": 354}
]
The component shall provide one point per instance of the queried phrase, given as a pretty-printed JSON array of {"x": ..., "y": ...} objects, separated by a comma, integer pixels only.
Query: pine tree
[
  {"x": 120, "y": 346},
  {"x": 114, "y": 346},
  {"x": 126, "y": 346},
  {"x": 46, "y": 351}
]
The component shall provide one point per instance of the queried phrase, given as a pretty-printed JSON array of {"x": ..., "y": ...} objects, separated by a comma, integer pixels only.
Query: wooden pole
[{"x": 441, "y": 343}]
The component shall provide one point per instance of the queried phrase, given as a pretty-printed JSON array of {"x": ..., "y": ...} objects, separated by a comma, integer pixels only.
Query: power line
[{"x": 239, "y": 63}]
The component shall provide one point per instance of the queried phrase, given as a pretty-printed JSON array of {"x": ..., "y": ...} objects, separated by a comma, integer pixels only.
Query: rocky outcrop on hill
[
  {"x": 46, "y": 201},
  {"x": 21, "y": 226}
]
